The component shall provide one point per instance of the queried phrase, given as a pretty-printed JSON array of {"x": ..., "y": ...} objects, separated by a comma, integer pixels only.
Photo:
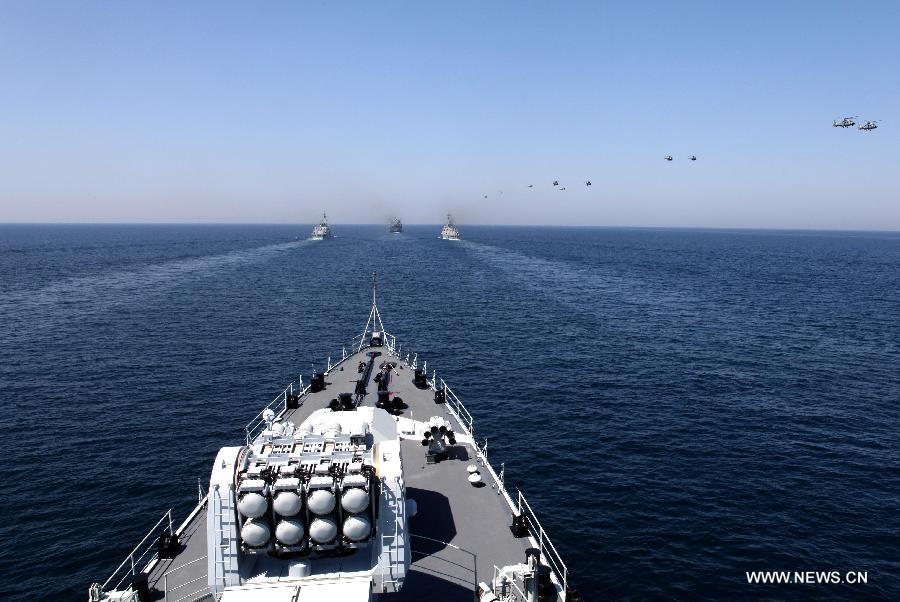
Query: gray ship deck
[{"x": 460, "y": 532}]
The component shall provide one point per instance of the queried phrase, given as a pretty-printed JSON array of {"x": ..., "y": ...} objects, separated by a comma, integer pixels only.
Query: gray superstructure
[{"x": 367, "y": 483}]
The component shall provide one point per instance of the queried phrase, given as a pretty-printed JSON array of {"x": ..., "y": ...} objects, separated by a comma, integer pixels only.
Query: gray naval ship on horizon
[
  {"x": 367, "y": 483},
  {"x": 449, "y": 231},
  {"x": 323, "y": 230}
]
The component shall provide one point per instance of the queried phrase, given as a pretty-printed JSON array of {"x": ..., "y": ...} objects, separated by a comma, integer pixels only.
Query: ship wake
[
  {"x": 580, "y": 288},
  {"x": 75, "y": 298}
]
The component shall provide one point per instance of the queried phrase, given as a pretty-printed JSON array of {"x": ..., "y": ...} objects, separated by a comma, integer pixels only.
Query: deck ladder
[
  {"x": 392, "y": 542},
  {"x": 224, "y": 513}
]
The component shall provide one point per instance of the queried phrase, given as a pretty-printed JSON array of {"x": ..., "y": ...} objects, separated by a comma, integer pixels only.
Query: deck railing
[
  {"x": 277, "y": 405},
  {"x": 390, "y": 342},
  {"x": 455, "y": 405},
  {"x": 549, "y": 555},
  {"x": 360, "y": 341},
  {"x": 458, "y": 409},
  {"x": 520, "y": 505},
  {"x": 135, "y": 562},
  {"x": 481, "y": 453}
]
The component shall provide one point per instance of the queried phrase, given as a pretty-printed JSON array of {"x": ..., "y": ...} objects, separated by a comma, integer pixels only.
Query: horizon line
[{"x": 573, "y": 226}]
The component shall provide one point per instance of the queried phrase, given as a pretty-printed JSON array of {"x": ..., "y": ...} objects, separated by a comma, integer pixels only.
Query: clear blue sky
[{"x": 269, "y": 112}]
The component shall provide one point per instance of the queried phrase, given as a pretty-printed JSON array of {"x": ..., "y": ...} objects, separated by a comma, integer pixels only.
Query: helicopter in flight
[
  {"x": 846, "y": 122},
  {"x": 588, "y": 183},
  {"x": 668, "y": 157},
  {"x": 869, "y": 126},
  {"x": 556, "y": 182},
  {"x": 693, "y": 157}
]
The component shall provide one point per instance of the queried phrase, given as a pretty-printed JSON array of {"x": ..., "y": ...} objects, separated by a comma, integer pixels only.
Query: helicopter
[
  {"x": 668, "y": 157},
  {"x": 531, "y": 185},
  {"x": 869, "y": 126},
  {"x": 693, "y": 157},
  {"x": 588, "y": 183},
  {"x": 846, "y": 122},
  {"x": 556, "y": 182},
  {"x": 563, "y": 188}
]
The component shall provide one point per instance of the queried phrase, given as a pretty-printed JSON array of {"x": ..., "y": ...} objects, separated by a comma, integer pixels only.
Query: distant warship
[
  {"x": 317, "y": 502},
  {"x": 449, "y": 231},
  {"x": 323, "y": 230},
  {"x": 396, "y": 226}
]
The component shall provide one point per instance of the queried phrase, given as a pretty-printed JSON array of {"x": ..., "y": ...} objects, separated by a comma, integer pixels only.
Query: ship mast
[{"x": 374, "y": 318}]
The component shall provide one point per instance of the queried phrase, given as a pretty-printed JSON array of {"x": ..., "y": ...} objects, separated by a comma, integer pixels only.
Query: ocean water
[{"x": 679, "y": 406}]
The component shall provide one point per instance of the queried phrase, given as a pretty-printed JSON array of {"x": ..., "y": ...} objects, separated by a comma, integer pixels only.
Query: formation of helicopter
[
  {"x": 555, "y": 185},
  {"x": 586, "y": 182},
  {"x": 848, "y": 122},
  {"x": 845, "y": 122}
]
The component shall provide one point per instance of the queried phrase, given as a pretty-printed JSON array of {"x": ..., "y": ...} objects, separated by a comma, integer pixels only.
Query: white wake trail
[
  {"x": 73, "y": 297},
  {"x": 578, "y": 287}
]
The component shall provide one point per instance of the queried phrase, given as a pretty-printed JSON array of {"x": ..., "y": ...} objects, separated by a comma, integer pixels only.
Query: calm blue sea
[{"x": 680, "y": 406}]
